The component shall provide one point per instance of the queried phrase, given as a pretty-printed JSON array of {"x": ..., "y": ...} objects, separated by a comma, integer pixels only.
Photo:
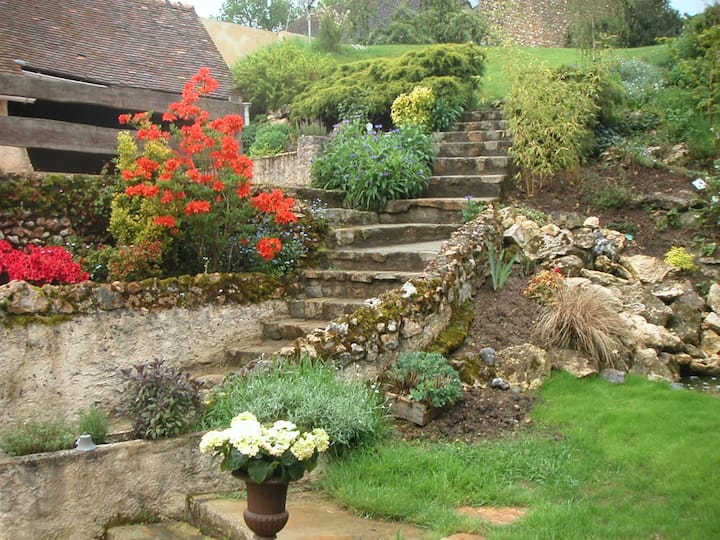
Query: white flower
[
  {"x": 408, "y": 290},
  {"x": 322, "y": 439},
  {"x": 278, "y": 438},
  {"x": 304, "y": 447},
  {"x": 212, "y": 439}
]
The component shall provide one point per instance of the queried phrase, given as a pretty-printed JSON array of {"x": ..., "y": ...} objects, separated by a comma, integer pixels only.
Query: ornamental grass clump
[
  {"x": 580, "y": 318},
  {"x": 189, "y": 189},
  {"x": 261, "y": 451}
]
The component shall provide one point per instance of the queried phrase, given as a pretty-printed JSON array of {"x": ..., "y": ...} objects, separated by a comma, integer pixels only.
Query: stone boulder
[
  {"x": 655, "y": 366},
  {"x": 647, "y": 269},
  {"x": 573, "y": 362},
  {"x": 524, "y": 366}
]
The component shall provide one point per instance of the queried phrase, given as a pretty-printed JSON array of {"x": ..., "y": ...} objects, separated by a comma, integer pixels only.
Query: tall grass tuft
[
  {"x": 580, "y": 318},
  {"x": 500, "y": 266},
  {"x": 309, "y": 393}
]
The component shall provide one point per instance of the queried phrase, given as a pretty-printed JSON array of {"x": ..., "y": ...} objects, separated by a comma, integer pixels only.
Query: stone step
[
  {"x": 242, "y": 355},
  {"x": 289, "y": 329},
  {"x": 444, "y": 166},
  {"x": 355, "y": 284},
  {"x": 324, "y": 308},
  {"x": 168, "y": 530},
  {"x": 346, "y": 216},
  {"x": 412, "y": 257},
  {"x": 483, "y": 114},
  {"x": 483, "y": 186},
  {"x": 379, "y": 235},
  {"x": 425, "y": 210},
  {"x": 470, "y": 149},
  {"x": 481, "y": 125},
  {"x": 473, "y": 135}
]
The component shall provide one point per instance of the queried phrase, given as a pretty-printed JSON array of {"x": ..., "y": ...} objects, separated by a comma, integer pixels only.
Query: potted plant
[
  {"x": 420, "y": 385},
  {"x": 267, "y": 459}
]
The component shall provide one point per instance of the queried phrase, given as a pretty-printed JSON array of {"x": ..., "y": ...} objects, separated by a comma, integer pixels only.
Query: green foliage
[
  {"x": 161, "y": 401},
  {"x": 273, "y": 76},
  {"x": 697, "y": 64},
  {"x": 260, "y": 13},
  {"x": 83, "y": 199},
  {"x": 603, "y": 193},
  {"x": 310, "y": 393},
  {"x": 472, "y": 209},
  {"x": 597, "y": 25},
  {"x": 94, "y": 422},
  {"x": 413, "y": 109},
  {"x": 374, "y": 168},
  {"x": 36, "y": 435},
  {"x": 680, "y": 258},
  {"x": 500, "y": 266},
  {"x": 425, "y": 377},
  {"x": 445, "y": 114},
  {"x": 437, "y": 21},
  {"x": 451, "y": 71},
  {"x": 334, "y": 26},
  {"x": 270, "y": 139},
  {"x": 551, "y": 115}
]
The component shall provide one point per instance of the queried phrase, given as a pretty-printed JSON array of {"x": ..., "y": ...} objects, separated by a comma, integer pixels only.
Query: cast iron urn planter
[{"x": 265, "y": 514}]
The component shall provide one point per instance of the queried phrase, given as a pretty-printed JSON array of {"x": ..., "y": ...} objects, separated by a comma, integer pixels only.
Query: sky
[{"x": 208, "y": 8}]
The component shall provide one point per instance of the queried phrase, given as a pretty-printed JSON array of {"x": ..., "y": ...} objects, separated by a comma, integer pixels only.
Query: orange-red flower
[
  {"x": 142, "y": 190},
  {"x": 197, "y": 207},
  {"x": 165, "y": 221},
  {"x": 267, "y": 248},
  {"x": 243, "y": 189}
]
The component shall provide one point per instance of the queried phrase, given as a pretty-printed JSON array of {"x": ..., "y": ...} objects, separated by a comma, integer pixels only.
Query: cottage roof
[{"x": 148, "y": 44}]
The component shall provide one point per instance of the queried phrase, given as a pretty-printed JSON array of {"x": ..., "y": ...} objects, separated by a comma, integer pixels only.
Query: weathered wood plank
[
  {"x": 56, "y": 135},
  {"x": 121, "y": 98}
]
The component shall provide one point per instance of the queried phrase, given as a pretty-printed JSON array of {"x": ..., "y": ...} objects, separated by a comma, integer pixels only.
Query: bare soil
[{"x": 504, "y": 318}]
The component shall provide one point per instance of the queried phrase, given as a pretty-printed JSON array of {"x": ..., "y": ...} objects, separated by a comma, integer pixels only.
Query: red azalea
[
  {"x": 165, "y": 221},
  {"x": 197, "y": 207},
  {"x": 267, "y": 248},
  {"x": 152, "y": 133},
  {"x": 142, "y": 190},
  {"x": 167, "y": 197},
  {"x": 243, "y": 189},
  {"x": 217, "y": 185},
  {"x": 124, "y": 118}
]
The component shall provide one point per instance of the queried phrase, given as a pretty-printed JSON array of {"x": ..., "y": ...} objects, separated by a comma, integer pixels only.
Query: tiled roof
[{"x": 149, "y": 44}]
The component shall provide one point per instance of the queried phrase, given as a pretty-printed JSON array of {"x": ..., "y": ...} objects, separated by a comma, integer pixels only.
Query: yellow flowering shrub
[{"x": 413, "y": 109}]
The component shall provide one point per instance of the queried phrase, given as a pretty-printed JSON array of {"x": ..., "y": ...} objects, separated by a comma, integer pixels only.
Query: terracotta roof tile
[{"x": 150, "y": 44}]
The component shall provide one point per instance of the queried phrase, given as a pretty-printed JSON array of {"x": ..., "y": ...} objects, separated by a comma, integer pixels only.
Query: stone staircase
[
  {"x": 368, "y": 254},
  {"x": 372, "y": 252}
]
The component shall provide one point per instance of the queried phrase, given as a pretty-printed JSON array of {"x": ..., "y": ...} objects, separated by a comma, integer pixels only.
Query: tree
[
  {"x": 648, "y": 20},
  {"x": 596, "y": 25},
  {"x": 266, "y": 14}
]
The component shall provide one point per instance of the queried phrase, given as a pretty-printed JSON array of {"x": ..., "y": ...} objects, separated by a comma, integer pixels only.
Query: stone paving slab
[
  {"x": 312, "y": 517},
  {"x": 169, "y": 530}
]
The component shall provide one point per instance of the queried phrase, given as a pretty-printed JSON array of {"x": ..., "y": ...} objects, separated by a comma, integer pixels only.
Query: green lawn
[{"x": 602, "y": 461}]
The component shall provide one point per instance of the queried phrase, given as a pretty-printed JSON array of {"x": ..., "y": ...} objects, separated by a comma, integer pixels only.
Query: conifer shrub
[{"x": 453, "y": 72}]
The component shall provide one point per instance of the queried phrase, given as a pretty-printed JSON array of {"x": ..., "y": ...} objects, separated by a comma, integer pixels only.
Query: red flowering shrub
[
  {"x": 190, "y": 190},
  {"x": 39, "y": 265}
]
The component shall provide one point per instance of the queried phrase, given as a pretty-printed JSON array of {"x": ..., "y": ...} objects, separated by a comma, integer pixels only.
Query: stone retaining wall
[
  {"x": 64, "y": 363},
  {"x": 74, "y": 495},
  {"x": 291, "y": 169},
  {"x": 528, "y": 23}
]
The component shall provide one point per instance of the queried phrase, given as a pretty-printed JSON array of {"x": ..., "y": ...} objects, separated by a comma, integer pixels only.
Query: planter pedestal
[{"x": 265, "y": 514}]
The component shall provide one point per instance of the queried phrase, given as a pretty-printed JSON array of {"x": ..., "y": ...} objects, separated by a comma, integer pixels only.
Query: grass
[
  {"x": 602, "y": 461},
  {"x": 495, "y": 81}
]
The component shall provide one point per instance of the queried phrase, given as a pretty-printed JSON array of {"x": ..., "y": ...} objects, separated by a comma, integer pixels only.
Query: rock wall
[
  {"x": 74, "y": 495},
  {"x": 412, "y": 317},
  {"x": 70, "y": 363},
  {"x": 528, "y": 23},
  {"x": 291, "y": 169}
]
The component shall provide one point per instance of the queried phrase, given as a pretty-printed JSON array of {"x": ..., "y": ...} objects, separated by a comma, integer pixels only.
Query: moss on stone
[{"x": 457, "y": 330}]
